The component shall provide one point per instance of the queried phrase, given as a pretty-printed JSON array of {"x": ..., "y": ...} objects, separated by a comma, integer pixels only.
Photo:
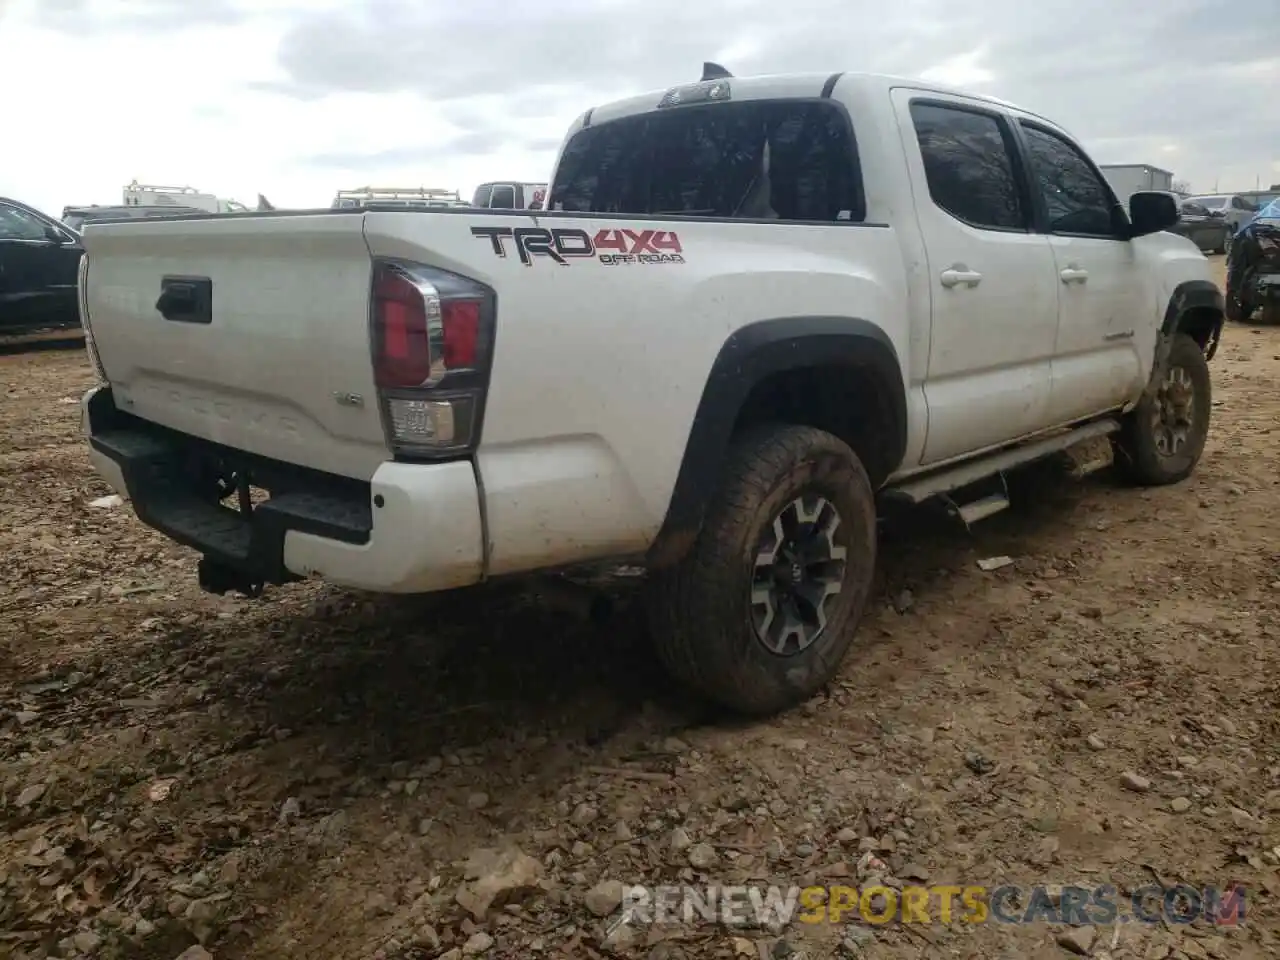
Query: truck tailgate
[{"x": 279, "y": 364}]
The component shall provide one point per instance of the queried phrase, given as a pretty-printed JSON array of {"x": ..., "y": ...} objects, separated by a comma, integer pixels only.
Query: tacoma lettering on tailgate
[{"x": 611, "y": 247}]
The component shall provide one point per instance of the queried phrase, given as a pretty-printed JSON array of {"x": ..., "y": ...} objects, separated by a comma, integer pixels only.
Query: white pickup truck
[{"x": 754, "y": 308}]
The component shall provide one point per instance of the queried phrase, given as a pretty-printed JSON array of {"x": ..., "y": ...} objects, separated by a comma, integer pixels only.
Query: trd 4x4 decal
[{"x": 610, "y": 247}]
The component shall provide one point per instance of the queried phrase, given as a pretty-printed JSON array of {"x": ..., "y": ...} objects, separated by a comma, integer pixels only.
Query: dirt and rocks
[{"x": 322, "y": 774}]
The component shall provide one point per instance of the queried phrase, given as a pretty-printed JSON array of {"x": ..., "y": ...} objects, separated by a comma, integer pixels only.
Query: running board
[
  {"x": 971, "y": 513},
  {"x": 918, "y": 490}
]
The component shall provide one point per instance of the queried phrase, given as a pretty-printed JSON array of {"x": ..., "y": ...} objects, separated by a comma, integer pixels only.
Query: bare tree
[{"x": 1182, "y": 188}]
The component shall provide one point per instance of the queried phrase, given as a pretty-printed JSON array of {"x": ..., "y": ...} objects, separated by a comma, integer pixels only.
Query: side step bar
[{"x": 917, "y": 490}]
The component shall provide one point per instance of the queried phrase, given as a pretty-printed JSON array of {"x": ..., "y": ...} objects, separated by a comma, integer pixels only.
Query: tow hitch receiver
[{"x": 218, "y": 578}]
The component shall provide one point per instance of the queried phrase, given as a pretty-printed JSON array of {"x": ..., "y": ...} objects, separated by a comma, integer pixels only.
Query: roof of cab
[{"x": 792, "y": 85}]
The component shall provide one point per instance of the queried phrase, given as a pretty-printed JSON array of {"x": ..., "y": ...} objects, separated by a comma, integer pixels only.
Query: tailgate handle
[{"x": 186, "y": 299}]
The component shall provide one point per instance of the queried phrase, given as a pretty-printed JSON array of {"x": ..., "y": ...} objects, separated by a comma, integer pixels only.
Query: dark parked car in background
[
  {"x": 39, "y": 270},
  {"x": 1211, "y": 234}
]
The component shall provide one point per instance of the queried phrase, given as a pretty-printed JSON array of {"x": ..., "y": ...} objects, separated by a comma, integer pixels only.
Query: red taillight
[
  {"x": 403, "y": 356},
  {"x": 461, "y": 322},
  {"x": 432, "y": 336}
]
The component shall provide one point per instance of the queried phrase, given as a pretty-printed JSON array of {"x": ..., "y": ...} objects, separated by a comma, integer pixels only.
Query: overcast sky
[{"x": 299, "y": 98}]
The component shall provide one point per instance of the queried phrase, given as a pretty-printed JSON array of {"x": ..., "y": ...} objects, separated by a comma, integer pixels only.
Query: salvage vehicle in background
[
  {"x": 1253, "y": 269},
  {"x": 1211, "y": 234},
  {"x": 39, "y": 262},
  {"x": 756, "y": 310}
]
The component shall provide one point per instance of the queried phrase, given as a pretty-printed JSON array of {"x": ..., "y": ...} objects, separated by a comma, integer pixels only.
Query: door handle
[
  {"x": 1074, "y": 273},
  {"x": 954, "y": 276}
]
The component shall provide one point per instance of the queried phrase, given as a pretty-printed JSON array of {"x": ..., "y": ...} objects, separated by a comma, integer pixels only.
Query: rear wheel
[
  {"x": 1162, "y": 438},
  {"x": 760, "y": 612}
]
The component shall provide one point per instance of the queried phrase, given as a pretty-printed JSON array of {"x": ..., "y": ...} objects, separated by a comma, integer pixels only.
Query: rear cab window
[{"x": 788, "y": 160}]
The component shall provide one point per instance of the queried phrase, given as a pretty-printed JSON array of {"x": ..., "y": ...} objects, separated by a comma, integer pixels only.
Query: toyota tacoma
[{"x": 753, "y": 310}]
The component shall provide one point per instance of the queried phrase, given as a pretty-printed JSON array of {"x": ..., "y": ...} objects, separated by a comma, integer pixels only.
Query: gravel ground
[{"x": 319, "y": 774}]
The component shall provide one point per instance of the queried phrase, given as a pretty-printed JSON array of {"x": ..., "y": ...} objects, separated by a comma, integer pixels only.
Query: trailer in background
[{"x": 1127, "y": 179}]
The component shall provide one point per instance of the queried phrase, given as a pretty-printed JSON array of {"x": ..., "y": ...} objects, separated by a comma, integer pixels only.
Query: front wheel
[
  {"x": 1162, "y": 438},
  {"x": 758, "y": 615}
]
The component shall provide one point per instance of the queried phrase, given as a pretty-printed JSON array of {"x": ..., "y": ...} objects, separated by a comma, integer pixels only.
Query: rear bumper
[{"x": 413, "y": 528}]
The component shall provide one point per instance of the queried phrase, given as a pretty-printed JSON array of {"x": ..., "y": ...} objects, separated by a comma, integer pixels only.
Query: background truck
[
  {"x": 758, "y": 309},
  {"x": 150, "y": 195},
  {"x": 510, "y": 195}
]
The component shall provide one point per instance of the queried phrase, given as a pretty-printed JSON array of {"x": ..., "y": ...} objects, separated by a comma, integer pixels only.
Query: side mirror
[{"x": 1150, "y": 212}]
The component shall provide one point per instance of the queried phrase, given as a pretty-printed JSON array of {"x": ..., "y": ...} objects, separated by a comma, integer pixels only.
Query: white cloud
[
  {"x": 88, "y": 113},
  {"x": 299, "y": 98},
  {"x": 964, "y": 71}
]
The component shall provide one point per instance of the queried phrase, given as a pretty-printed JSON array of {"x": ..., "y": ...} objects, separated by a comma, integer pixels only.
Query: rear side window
[
  {"x": 483, "y": 195},
  {"x": 969, "y": 166},
  {"x": 504, "y": 197},
  {"x": 773, "y": 160}
]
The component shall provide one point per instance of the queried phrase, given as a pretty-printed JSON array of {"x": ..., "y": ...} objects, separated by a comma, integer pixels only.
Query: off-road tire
[
  {"x": 1137, "y": 456},
  {"x": 700, "y": 611}
]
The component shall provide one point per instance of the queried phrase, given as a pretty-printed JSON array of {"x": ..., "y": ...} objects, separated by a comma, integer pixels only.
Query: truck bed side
[{"x": 607, "y": 329}]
